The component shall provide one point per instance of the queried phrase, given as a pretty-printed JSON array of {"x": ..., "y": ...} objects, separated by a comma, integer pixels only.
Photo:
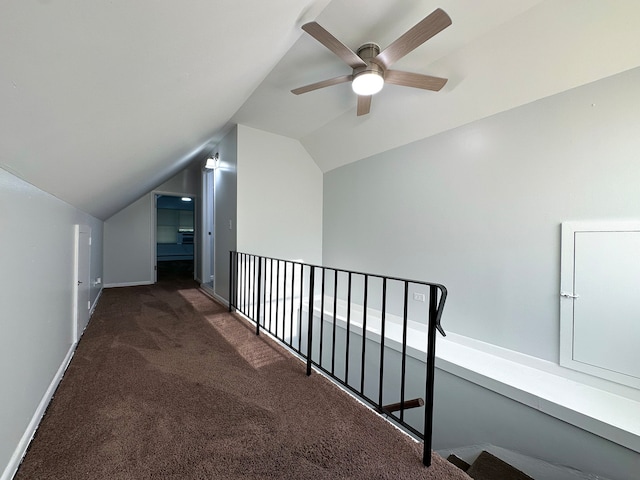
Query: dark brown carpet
[{"x": 166, "y": 384}]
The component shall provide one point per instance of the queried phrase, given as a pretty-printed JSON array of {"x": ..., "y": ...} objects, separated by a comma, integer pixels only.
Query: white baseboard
[
  {"x": 127, "y": 284},
  {"x": 223, "y": 301},
  {"x": 21, "y": 448},
  {"x": 95, "y": 304},
  {"x": 215, "y": 296}
]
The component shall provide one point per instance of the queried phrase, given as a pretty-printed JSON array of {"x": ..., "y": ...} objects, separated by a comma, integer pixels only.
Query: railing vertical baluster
[
  {"x": 284, "y": 301},
  {"x": 312, "y": 278},
  {"x": 255, "y": 285},
  {"x": 264, "y": 295},
  {"x": 274, "y": 318},
  {"x": 300, "y": 308},
  {"x": 238, "y": 275},
  {"x": 321, "y": 317},
  {"x": 431, "y": 370},
  {"x": 270, "y": 293},
  {"x": 382, "y": 334},
  {"x": 404, "y": 347},
  {"x": 240, "y": 282},
  {"x": 277, "y": 295},
  {"x": 244, "y": 283},
  {"x": 335, "y": 308},
  {"x": 231, "y": 269},
  {"x": 293, "y": 291},
  {"x": 258, "y": 296},
  {"x": 346, "y": 361},
  {"x": 364, "y": 331}
]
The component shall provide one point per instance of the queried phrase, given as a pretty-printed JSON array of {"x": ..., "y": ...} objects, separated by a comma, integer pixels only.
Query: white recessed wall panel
[
  {"x": 607, "y": 314},
  {"x": 600, "y": 303}
]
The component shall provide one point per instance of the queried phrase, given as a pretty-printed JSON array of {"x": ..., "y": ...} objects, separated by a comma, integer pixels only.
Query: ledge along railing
[{"x": 375, "y": 335}]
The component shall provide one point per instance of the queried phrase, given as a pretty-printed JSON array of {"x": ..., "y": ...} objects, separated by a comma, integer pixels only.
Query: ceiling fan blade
[
  {"x": 429, "y": 26},
  {"x": 364, "y": 104},
  {"x": 415, "y": 80},
  {"x": 322, "y": 84},
  {"x": 333, "y": 44}
]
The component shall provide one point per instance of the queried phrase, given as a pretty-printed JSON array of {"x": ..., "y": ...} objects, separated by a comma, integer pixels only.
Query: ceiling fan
[{"x": 371, "y": 66}]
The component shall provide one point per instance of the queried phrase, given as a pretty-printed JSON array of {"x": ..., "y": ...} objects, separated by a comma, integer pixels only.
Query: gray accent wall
[
  {"x": 36, "y": 300},
  {"x": 479, "y": 208}
]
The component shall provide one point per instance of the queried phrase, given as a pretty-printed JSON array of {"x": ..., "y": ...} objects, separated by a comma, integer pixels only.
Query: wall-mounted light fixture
[
  {"x": 186, "y": 199},
  {"x": 213, "y": 162}
]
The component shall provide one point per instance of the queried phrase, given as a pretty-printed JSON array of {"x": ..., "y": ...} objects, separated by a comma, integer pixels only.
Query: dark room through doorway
[{"x": 174, "y": 237}]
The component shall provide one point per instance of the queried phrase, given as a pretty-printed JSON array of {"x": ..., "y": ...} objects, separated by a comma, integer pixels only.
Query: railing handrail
[
  {"x": 245, "y": 280},
  {"x": 355, "y": 272},
  {"x": 439, "y": 286}
]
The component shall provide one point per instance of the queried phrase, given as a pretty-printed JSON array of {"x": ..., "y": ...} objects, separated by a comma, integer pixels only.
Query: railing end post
[{"x": 426, "y": 455}]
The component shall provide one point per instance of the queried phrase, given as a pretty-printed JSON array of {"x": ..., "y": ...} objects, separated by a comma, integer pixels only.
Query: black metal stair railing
[{"x": 362, "y": 330}]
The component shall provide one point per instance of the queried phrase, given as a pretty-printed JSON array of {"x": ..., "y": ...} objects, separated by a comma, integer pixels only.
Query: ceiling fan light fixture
[
  {"x": 367, "y": 82},
  {"x": 371, "y": 66}
]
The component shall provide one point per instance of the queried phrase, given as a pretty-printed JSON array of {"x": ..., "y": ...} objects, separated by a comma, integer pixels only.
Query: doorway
[
  {"x": 208, "y": 230},
  {"x": 174, "y": 237}
]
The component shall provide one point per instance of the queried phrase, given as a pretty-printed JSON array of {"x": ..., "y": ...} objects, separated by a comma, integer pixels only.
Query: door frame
[
  {"x": 82, "y": 259},
  {"x": 208, "y": 233},
  {"x": 154, "y": 230},
  {"x": 568, "y": 296}
]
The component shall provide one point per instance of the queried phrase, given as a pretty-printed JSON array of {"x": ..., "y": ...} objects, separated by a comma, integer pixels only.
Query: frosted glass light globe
[{"x": 367, "y": 83}]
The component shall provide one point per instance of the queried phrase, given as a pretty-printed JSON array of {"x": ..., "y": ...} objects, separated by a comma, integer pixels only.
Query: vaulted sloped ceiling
[
  {"x": 497, "y": 54},
  {"x": 101, "y": 101}
]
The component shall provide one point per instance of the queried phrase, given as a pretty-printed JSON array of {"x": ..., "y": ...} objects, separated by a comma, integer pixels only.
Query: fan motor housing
[{"x": 368, "y": 52}]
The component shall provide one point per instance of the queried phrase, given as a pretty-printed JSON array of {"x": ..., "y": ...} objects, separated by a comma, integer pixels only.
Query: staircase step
[
  {"x": 458, "y": 462},
  {"x": 531, "y": 467},
  {"x": 490, "y": 467}
]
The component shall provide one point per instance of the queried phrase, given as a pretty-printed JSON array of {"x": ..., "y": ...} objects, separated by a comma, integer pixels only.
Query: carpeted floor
[{"x": 166, "y": 384}]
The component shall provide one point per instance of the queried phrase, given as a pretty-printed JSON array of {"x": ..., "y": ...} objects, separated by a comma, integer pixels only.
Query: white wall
[
  {"x": 279, "y": 197},
  {"x": 129, "y": 236},
  {"x": 479, "y": 208},
  {"x": 36, "y": 302},
  {"x": 186, "y": 181},
  {"x": 128, "y": 245},
  {"x": 225, "y": 205}
]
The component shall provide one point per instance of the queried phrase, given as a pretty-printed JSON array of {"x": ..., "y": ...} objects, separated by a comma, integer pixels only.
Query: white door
[
  {"x": 600, "y": 301},
  {"x": 208, "y": 229},
  {"x": 82, "y": 278}
]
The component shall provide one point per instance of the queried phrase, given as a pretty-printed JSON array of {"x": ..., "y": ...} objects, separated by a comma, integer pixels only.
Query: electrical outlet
[{"x": 419, "y": 297}]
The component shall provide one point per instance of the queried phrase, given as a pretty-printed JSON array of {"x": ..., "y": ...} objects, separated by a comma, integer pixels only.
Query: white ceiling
[{"x": 102, "y": 101}]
